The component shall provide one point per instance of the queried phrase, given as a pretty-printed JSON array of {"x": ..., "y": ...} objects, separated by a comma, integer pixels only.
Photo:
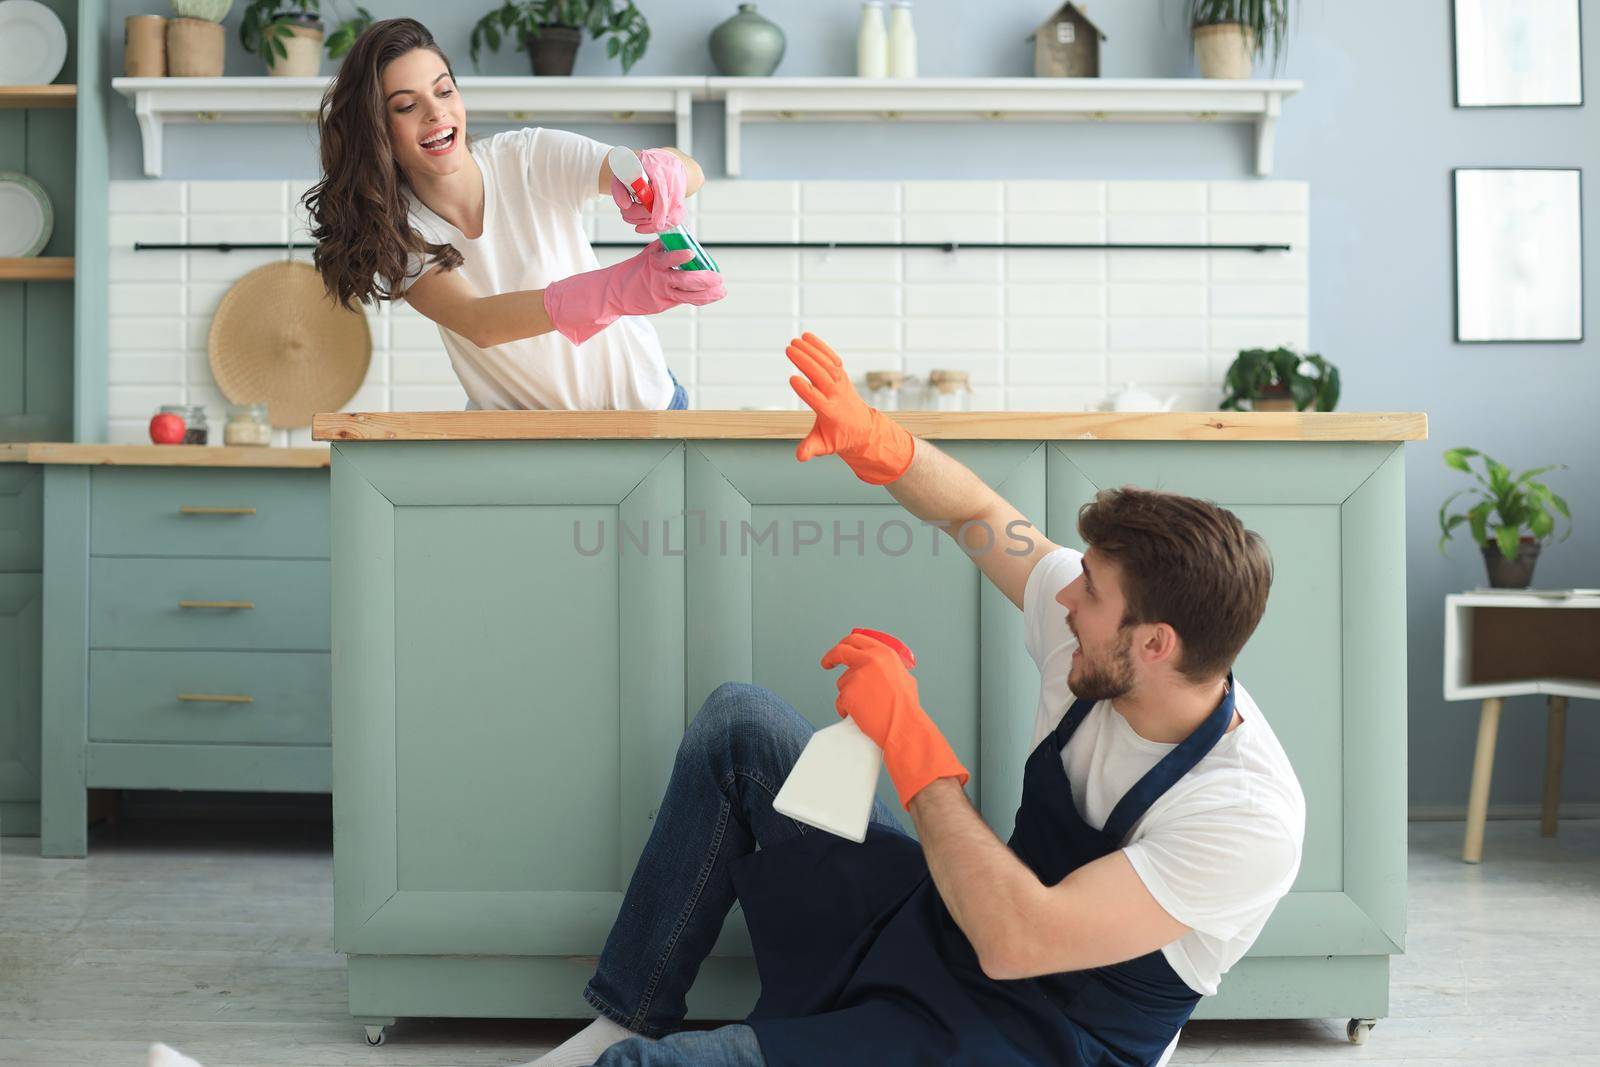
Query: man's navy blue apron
[{"x": 861, "y": 962}]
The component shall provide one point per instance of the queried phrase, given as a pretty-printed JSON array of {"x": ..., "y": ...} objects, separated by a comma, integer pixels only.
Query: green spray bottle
[{"x": 630, "y": 172}]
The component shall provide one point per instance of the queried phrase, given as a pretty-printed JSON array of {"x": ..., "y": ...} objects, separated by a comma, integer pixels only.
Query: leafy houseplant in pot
[
  {"x": 287, "y": 34},
  {"x": 1280, "y": 379},
  {"x": 1507, "y": 505},
  {"x": 551, "y": 31},
  {"x": 1229, "y": 33},
  {"x": 196, "y": 40}
]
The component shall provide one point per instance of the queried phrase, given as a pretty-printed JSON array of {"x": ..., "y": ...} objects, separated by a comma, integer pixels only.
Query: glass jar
[
  {"x": 194, "y": 421},
  {"x": 883, "y": 389},
  {"x": 247, "y": 425},
  {"x": 949, "y": 390}
]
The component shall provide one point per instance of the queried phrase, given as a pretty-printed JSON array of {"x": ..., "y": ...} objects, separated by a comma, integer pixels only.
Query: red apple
[{"x": 167, "y": 429}]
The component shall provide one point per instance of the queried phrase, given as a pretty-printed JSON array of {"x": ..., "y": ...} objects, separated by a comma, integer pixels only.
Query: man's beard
[{"x": 1108, "y": 680}]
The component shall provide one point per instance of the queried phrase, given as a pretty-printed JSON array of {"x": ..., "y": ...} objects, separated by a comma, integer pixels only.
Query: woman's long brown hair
[{"x": 359, "y": 210}]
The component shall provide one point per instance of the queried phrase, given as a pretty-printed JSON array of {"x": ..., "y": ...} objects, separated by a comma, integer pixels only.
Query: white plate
[
  {"x": 26, "y": 217},
  {"x": 33, "y": 43}
]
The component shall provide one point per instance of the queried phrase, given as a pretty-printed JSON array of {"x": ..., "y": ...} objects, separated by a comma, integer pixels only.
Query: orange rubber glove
[
  {"x": 875, "y": 447},
  {"x": 879, "y": 693}
]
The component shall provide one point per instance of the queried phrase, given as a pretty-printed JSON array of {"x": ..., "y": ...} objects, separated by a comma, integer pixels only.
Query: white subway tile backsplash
[
  {"x": 1055, "y": 229},
  {"x": 1055, "y": 198},
  {"x": 1036, "y": 330},
  {"x": 238, "y": 198},
  {"x": 1255, "y": 197},
  {"x": 1156, "y": 229},
  {"x": 847, "y": 299},
  {"x": 128, "y": 334},
  {"x": 1056, "y": 335},
  {"x": 124, "y": 230},
  {"x": 953, "y": 335},
  {"x": 1148, "y": 333},
  {"x": 1258, "y": 300},
  {"x": 952, "y": 226},
  {"x": 1175, "y": 198},
  {"x": 240, "y": 229},
  {"x": 929, "y": 298},
  {"x": 141, "y": 299},
  {"x": 953, "y": 197},
  {"x": 1032, "y": 299},
  {"x": 1234, "y": 334},
  {"x": 1157, "y": 299},
  {"x": 850, "y": 198},
  {"x": 850, "y": 228}
]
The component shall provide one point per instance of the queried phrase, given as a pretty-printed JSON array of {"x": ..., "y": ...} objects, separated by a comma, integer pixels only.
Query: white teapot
[{"x": 1131, "y": 398}]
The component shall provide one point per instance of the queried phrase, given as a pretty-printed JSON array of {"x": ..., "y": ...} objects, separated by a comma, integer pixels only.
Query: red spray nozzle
[{"x": 908, "y": 657}]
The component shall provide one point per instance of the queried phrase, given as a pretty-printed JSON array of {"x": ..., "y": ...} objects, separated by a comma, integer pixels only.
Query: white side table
[{"x": 1513, "y": 643}]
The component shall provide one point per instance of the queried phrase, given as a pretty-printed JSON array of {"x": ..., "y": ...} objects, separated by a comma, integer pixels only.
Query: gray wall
[{"x": 1375, "y": 134}]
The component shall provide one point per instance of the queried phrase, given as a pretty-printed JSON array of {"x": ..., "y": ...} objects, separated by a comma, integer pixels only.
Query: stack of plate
[{"x": 33, "y": 49}]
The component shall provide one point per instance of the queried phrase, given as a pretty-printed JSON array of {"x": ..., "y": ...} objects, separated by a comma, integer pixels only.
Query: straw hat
[{"x": 277, "y": 339}]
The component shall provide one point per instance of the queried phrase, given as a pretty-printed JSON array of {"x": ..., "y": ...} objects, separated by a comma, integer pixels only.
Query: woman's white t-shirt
[
  {"x": 1222, "y": 845},
  {"x": 535, "y": 183}
]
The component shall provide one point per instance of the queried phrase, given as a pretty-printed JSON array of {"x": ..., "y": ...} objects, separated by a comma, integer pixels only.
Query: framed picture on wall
[
  {"x": 1518, "y": 53},
  {"x": 1519, "y": 254}
]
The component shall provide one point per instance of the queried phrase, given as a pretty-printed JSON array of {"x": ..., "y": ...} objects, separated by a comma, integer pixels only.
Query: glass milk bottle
[
  {"x": 902, "y": 41},
  {"x": 872, "y": 42}
]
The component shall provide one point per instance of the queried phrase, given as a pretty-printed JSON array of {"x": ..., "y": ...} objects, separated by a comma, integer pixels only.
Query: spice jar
[
  {"x": 883, "y": 389},
  {"x": 247, "y": 425},
  {"x": 949, "y": 390},
  {"x": 194, "y": 421}
]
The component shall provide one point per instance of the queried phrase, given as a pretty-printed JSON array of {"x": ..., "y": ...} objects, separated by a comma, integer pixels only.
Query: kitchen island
[{"x": 529, "y": 606}]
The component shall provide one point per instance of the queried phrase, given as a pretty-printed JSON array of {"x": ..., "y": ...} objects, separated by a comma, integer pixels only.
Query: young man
[{"x": 1160, "y": 820}]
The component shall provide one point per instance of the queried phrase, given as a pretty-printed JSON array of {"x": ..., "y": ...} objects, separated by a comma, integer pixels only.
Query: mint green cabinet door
[
  {"x": 508, "y": 694},
  {"x": 21, "y": 617},
  {"x": 1326, "y": 665},
  {"x": 784, "y": 559},
  {"x": 21, "y": 517}
]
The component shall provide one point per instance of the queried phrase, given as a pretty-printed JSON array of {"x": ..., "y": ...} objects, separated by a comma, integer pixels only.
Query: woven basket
[{"x": 277, "y": 339}]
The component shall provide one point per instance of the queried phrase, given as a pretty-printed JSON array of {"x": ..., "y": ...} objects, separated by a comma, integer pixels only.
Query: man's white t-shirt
[
  {"x": 1222, "y": 845},
  {"x": 535, "y": 183}
]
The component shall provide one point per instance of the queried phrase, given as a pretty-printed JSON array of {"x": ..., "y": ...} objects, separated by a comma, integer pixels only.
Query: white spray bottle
[
  {"x": 833, "y": 782},
  {"x": 630, "y": 172}
]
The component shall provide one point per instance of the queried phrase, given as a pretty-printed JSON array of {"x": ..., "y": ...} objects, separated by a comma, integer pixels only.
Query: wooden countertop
[
  {"x": 170, "y": 455},
  {"x": 793, "y": 425}
]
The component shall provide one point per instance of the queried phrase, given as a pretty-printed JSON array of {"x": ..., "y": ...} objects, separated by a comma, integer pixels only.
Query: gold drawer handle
[
  {"x": 187, "y": 509},
  {"x": 222, "y": 605},
  {"x": 215, "y": 698}
]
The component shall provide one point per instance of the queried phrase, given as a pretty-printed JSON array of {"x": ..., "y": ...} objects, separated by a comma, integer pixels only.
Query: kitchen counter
[
  {"x": 793, "y": 425},
  {"x": 47, "y": 452},
  {"x": 529, "y": 607}
]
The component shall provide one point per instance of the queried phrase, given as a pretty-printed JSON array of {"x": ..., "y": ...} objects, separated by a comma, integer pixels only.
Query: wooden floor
[{"x": 215, "y": 939}]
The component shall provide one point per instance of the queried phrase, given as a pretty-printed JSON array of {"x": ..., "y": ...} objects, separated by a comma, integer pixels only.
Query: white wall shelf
[
  {"x": 1002, "y": 100},
  {"x": 158, "y": 102}
]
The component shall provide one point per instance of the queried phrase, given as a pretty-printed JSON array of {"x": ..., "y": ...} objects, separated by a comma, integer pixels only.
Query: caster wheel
[
  {"x": 375, "y": 1035},
  {"x": 1358, "y": 1029}
]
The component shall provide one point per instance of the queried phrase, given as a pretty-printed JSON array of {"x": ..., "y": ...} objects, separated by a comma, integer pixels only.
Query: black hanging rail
[{"x": 817, "y": 246}]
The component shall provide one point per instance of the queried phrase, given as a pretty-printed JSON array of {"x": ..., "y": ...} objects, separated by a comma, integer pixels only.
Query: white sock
[
  {"x": 585, "y": 1046},
  {"x": 162, "y": 1056}
]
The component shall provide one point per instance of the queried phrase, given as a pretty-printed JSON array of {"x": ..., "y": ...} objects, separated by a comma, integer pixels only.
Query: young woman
[{"x": 486, "y": 238}]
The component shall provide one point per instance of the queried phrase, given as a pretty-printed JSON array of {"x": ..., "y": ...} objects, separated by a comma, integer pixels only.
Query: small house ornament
[{"x": 1067, "y": 45}]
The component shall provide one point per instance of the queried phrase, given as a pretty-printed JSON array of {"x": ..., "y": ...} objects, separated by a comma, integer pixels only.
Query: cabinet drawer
[
  {"x": 211, "y": 697},
  {"x": 248, "y": 604},
  {"x": 277, "y": 514}
]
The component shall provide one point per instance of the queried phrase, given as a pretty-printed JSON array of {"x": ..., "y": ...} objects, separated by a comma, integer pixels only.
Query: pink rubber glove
[
  {"x": 584, "y": 304},
  {"x": 668, "y": 182}
]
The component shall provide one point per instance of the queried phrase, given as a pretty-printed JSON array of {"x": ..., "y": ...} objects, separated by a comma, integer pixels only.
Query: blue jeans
[
  {"x": 718, "y": 806},
  {"x": 680, "y": 395}
]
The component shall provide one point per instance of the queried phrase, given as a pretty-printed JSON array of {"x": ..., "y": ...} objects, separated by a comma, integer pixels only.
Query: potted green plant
[
  {"x": 1280, "y": 379},
  {"x": 1508, "y": 504},
  {"x": 1228, "y": 33},
  {"x": 551, "y": 30},
  {"x": 196, "y": 41},
  {"x": 289, "y": 35}
]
